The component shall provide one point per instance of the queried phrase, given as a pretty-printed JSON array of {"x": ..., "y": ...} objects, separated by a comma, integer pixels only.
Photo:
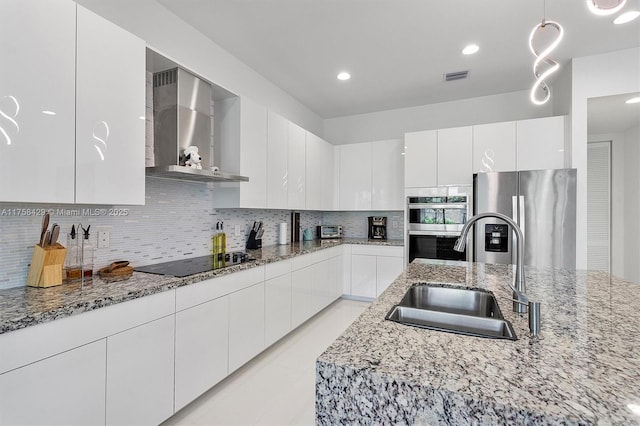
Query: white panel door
[
  {"x": 301, "y": 288},
  {"x": 363, "y": 275},
  {"x": 387, "y": 175},
  {"x": 421, "y": 159},
  {"x": 540, "y": 143},
  {"x": 253, "y": 154},
  {"x": 494, "y": 147},
  {"x": 246, "y": 325},
  {"x": 388, "y": 269},
  {"x": 37, "y": 100},
  {"x": 277, "y": 308},
  {"x": 296, "y": 164},
  {"x": 355, "y": 176},
  {"x": 140, "y": 374},
  {"x": 328, "y": 176},
  {"x": 110, "y": 125},
  {"x": 277, "y": 160},
  {"x": 202, "y": 349},
  {"x": 65, "y": 389},
  {"x": 314, "y": 165},
  {"x": 455, "y": 148}
]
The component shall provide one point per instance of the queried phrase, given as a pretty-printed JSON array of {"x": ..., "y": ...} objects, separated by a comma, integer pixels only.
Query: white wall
[
  {"x": 393, "y": 124},
  {"x": 165, "y": 33},
  {"x": 608, "y": 74},
  {"x": 632, "y": 205}
]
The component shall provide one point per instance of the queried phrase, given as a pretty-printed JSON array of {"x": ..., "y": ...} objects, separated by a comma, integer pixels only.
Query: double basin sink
[{"x": 473, "y": 312}]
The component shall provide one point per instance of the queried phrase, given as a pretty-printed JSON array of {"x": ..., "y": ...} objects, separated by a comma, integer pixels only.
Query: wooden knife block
[{"x": 46, "y": 266}]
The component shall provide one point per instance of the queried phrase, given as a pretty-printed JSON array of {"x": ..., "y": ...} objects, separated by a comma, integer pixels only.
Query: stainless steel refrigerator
[{"x": 542, "y": 202}]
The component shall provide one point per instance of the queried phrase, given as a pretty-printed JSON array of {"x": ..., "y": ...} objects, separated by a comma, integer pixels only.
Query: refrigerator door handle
[
  {"x": 521, "y": 221},
  {"x": 514, "y": 208}
]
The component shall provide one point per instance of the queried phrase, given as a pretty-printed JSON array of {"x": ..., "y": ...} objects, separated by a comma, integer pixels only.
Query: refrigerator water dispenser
[{"x": 496, "y": 238}]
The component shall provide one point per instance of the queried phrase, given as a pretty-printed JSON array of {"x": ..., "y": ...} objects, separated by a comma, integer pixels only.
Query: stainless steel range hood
[{"x": 182, "y": 115}]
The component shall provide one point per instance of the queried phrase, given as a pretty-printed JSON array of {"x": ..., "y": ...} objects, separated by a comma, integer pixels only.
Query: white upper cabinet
[
  {"x": 277, "y": 159},
  {"x": 314, "y": 167},
  {"x": 421, "y": 159},
  {"x": 320, "y": 174},
  {"x": 387, "y": 175},
  {"x": 454, "y": 156},
  {"x": 355, "y": 176},
  {"x": 296, "y": 166},
  {"x": 540, "y": 143},
  {"x": 328, "y": 174},
  {"x": 241, "y": 149},
  {"x": 253, "y": 154},
  {"x": 37, "y": 100},
  {"x": 494, "y": 147},
  {"x": 110, "y": 96}
]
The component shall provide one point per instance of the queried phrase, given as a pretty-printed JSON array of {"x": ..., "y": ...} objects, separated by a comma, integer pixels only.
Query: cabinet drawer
[
  {"x": 31, "y": 344},
  {"x": 303, "y": 261},
  {"x": 213, "y": 288},
  {"x": 394, "y": 251},
  {"x": 276, "y": 269}
]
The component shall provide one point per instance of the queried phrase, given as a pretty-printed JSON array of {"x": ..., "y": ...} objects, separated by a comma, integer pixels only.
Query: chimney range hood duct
[{"x": 182, "y": 118}]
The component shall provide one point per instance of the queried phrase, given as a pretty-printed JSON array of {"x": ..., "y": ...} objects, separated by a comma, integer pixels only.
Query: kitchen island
[{"x": 585, "y": 368}]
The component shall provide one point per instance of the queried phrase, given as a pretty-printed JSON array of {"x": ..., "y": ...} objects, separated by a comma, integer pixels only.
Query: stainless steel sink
[
  {"x": 453, "y": 300},
  {"x": 454, "y": 310}
]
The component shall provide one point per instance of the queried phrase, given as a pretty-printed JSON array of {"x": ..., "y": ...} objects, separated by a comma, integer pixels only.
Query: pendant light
[
  {"x": 543, "y": 66},
  {"x": 605, "y": 7}
]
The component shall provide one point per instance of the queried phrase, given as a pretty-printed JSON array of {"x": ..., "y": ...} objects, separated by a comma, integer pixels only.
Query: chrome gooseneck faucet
[{"x": 520, "y": 300}]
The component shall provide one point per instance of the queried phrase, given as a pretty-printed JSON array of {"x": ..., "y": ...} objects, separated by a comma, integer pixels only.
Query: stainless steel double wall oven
[{"x": 435, "y": 217}]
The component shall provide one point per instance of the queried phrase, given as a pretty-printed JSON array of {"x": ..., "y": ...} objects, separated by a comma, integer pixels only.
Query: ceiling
[{"x": 397, "y": 51}]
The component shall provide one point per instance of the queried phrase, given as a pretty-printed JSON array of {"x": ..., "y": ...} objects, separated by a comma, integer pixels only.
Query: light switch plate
[{"x": 103, "y": 239}]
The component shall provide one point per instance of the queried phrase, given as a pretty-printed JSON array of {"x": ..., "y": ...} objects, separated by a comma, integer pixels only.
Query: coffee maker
[{"x": 377, "y": 228}]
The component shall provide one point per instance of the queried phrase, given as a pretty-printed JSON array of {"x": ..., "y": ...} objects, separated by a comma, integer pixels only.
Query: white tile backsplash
[{"x": 177, "y": 221}]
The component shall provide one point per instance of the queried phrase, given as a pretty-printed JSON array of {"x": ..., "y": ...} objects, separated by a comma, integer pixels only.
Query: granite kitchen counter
[
  {"x": 22, "y": 307},
  {"x": 585, "y": 368}
]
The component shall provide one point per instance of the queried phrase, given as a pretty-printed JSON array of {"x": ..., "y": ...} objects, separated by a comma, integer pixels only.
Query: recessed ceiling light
[
  {"x": 605, "y": 7},
  {"x": 344, "y": 76},
  {"x": 633, "y": 100},
  {"x": 626, "y": 17},
  {"x": 470, "y": 49}
]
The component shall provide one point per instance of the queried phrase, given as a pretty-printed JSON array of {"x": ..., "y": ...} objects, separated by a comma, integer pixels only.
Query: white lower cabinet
[
  {"x": 202, "y": 349},
  {"x": 387, "y": 270},
  {"x": 373, "y": 268},
  {"x": 246, "y": 325},
  {"x": 140, "y": 374},
  {"x": 65, "y": 389},
  {"x": 363, "y": 275},
  {"x": 301, "y": 287},
  {"x": 277, "y": 308}
]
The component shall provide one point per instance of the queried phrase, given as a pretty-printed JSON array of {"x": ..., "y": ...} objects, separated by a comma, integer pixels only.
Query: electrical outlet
[
  {"x": 103, "y": 239},
  {"x": 237, "y": 230}
]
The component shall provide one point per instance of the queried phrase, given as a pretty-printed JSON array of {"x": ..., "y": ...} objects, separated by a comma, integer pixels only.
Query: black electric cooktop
[{"x": 195, "y": 265}]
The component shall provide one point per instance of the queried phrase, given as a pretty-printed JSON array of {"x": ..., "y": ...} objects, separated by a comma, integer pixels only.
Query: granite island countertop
[
  {"x": 584, "y": 370},
  {"x": 22, "y": 307}
]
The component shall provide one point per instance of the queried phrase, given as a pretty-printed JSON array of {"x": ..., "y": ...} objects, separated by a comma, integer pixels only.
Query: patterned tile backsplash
[{"x": 177, "y": 221}]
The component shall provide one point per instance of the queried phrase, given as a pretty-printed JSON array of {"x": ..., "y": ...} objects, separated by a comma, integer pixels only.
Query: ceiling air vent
[{"x": 458, "y": 75}]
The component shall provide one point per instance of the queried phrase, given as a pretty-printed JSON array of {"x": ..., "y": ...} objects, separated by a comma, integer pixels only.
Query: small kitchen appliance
[
  {"x": 377, "y": 227},
  {"x": 329, "y": 231}
]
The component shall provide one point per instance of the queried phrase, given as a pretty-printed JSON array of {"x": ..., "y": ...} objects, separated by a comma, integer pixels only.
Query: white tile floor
[{"x": 278, "y": 386}]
